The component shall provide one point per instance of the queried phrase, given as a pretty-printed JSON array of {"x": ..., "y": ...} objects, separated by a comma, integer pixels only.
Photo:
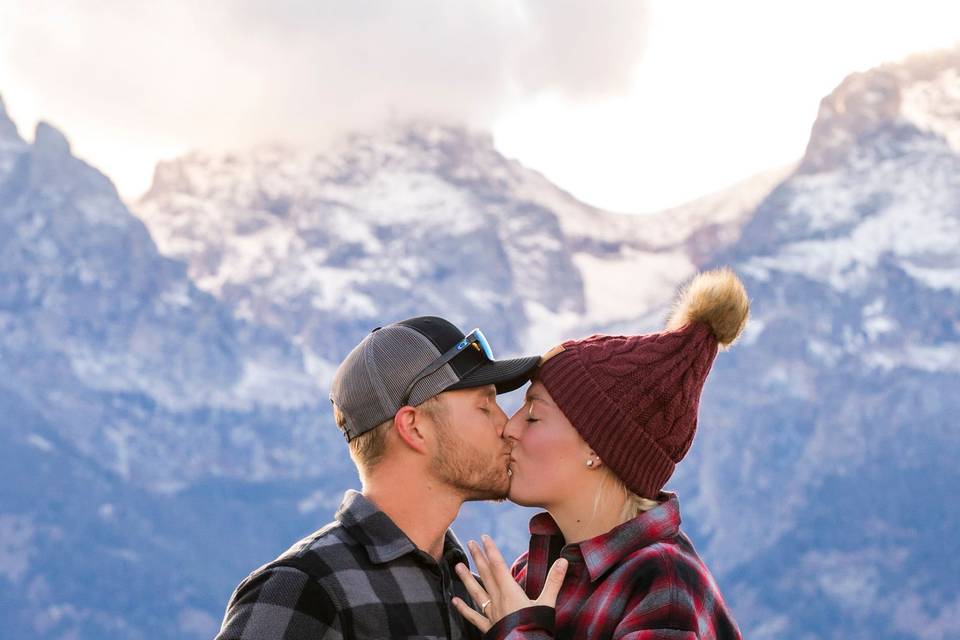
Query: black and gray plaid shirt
[{"x": 358, "y": 577}]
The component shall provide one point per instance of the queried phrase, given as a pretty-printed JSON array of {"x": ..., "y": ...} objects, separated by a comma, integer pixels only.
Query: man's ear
[{"x": 410, "y": 425}]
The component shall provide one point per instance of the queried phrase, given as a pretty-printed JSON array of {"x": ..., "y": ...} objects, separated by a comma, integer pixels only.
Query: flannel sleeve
[
  {"x": 665, "y": 608},
  {"x": 280, "y": 603},
  {"x": 658, "y": 615},
  {"x": 529, "y": 623}
]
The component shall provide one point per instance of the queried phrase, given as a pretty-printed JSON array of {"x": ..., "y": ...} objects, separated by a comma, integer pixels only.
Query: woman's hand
[{"x": 502, "y": 594}]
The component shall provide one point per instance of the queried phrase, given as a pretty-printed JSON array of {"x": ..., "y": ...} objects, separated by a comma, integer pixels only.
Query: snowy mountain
[
  {"x": 323, "y": 246},
  {"x": 836, "y": 434},
  {"x": 131, "y": 402},
  {"x": 90, "y": 306},
  {"x": 165, "y": 424}
]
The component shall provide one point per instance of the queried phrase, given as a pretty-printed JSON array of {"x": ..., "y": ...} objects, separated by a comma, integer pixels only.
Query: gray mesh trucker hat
[{"x": 369, "y": 384}]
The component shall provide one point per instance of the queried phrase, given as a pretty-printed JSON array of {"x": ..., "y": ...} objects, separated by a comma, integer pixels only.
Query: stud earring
[{"x": 589, "y": 463}]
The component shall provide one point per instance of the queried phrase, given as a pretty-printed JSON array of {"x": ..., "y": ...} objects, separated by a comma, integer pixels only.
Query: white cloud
[
  {"x": 630, "y": 105},
  {"x": 134, "y": 79},
  {"x": 724, "y": 90}
]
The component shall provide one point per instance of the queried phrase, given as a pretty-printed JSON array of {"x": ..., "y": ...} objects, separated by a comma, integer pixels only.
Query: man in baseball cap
[{"x": 416, "y": 402}]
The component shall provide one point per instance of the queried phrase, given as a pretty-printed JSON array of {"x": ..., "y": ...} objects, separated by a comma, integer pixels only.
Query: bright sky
[
  {"x": 630, "y": 105},
  {"x": 724, "y": 90}
]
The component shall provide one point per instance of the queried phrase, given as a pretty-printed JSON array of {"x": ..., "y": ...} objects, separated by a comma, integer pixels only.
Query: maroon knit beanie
[{"x": 634, "y": 399}]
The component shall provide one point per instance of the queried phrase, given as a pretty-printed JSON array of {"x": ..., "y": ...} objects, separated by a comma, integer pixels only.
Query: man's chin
[
  {"x": 517, "y": 498},
  {"x": 490, "y": 492},
  {"x": 486, "y": 496}
]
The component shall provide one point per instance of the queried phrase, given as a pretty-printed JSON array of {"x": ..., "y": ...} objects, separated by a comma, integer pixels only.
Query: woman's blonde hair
[{"x": 633, "y": 505}]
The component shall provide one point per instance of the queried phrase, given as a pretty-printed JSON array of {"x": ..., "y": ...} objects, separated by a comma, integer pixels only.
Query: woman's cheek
[{"x": 543, "y": 455}]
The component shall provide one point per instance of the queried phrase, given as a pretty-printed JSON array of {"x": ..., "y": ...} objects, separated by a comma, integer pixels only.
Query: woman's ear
[{"x": 593, "y": 460}]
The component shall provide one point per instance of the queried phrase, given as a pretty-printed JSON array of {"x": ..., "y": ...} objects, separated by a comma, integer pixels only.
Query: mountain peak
[
  {"x": 9, "y": 136},
  {"x": 402, "y": 146},
  {"x": 53, "y": 162},
  {"x": 424, "y": 132},
  {"x": 4, "y": 117},
  {"x": 921, "y": 93},
  {"x": 50, "y": 141},
  {"x": 416, "y": 144},
  {"x": 438, "y": 134}
]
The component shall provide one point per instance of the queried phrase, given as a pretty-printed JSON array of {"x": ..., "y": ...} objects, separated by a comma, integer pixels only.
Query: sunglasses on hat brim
[{"x": 474, "y": 339}]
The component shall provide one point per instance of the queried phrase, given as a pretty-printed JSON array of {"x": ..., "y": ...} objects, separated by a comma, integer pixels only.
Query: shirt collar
[
  {"x": 382, "y": 538},
  {"x": 602, "y": 552}
]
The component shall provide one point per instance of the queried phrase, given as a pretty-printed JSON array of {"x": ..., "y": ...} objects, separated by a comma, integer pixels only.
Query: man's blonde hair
[{"x": 368, "y": 449}]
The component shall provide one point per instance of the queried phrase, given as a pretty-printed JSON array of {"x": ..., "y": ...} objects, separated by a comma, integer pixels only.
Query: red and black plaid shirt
[{"x": 642, "y": 580}]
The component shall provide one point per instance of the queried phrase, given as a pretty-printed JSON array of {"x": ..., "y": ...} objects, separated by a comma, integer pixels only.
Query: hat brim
[{"x": 507, "y": 375}]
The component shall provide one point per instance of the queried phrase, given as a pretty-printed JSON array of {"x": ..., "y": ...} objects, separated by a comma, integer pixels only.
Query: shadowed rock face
[
  {"x": 421, "y": 218},
  {"x": 124, "y": 391}
]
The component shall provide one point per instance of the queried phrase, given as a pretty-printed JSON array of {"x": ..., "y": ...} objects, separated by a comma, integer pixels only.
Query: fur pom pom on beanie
[{"x": 635, "y": 399}]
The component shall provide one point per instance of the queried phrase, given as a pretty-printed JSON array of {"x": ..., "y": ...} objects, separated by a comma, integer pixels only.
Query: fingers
[
  {"x": 497, "y": 564},
  {"x": 474, "y": 588},
  {"x": 484, "y": 569},
  {"x": 470, "y": 615},
  {"x": 551, "y": 588}
]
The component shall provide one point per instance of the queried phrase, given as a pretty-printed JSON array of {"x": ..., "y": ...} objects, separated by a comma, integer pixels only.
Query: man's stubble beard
[{"x": 473, "y": 474}]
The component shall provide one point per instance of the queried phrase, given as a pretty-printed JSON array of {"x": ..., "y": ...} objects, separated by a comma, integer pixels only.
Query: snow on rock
[
  {"x": 934, "y": 105},
  {"x": 305, "y": 240}
]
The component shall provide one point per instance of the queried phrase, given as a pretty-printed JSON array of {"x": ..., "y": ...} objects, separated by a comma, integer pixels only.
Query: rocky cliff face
[
  {"x": 325, "y": 246},
  {"x": 125, "y": 393}
]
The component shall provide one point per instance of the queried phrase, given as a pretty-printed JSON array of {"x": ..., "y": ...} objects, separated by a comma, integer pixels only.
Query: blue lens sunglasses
[{"x": 474, "y": 339}]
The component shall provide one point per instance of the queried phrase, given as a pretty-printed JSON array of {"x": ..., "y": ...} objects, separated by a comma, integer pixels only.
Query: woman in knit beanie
[{"x": 605, "y": 422}]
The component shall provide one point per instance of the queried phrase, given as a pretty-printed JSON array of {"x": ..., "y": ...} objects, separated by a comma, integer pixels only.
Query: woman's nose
[{"x": 514, "y": 427}]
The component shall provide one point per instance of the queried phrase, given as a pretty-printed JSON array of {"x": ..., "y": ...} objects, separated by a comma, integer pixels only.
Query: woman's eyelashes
[{"x": 530, "y": 417}]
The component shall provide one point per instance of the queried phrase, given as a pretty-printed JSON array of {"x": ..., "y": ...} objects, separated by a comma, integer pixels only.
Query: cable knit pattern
[{"x": 634, "y": 399}]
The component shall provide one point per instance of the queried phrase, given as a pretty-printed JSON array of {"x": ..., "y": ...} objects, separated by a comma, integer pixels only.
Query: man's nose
[{"x": 501, "y": 417}]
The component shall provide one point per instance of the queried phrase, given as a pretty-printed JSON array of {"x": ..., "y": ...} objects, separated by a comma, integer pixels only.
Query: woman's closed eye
[{"x": 530, "y": 417}]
